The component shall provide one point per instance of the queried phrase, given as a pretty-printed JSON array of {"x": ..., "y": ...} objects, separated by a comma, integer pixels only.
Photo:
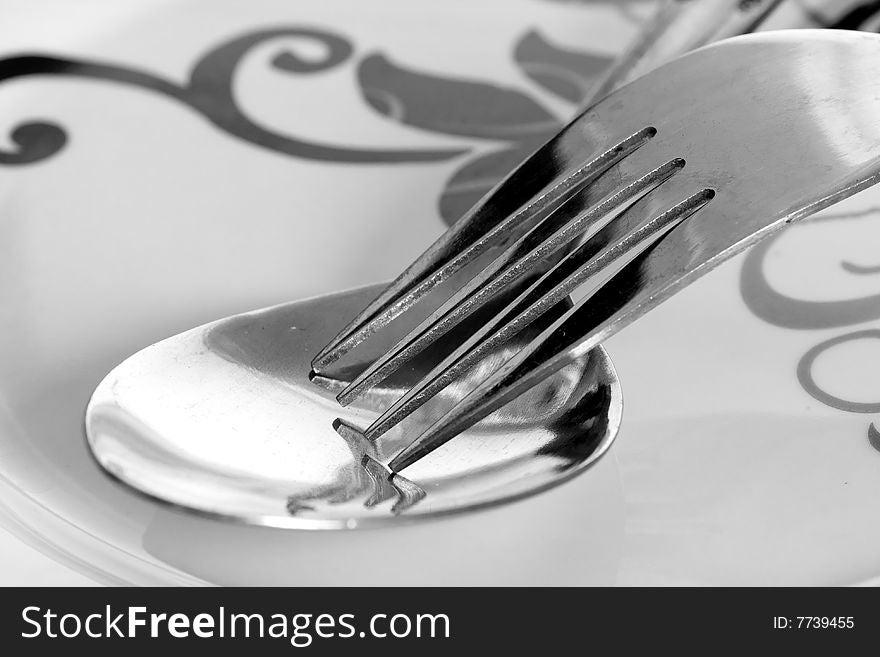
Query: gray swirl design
[
  {"x": 452, "y": 106},
  {"x": 210, "y": 93},
  {"x": 800, "y": 314},
  {"x": 784, "y": 311},
  {"x": 854, "y": 268},
  {"x": 873, "y": 437},
  {"x": 808, "y": 382}
]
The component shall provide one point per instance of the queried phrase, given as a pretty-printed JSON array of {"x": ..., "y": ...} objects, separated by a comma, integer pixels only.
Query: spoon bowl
[{"x": 224, "y": 420}]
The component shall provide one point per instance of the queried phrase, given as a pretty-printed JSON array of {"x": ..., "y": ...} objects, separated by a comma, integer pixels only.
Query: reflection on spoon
[
  {"x": 222, "y": 420},
  {"x": 372, "y": 478}
]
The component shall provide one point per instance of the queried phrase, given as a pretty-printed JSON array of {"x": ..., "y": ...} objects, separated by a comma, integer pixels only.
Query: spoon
[{"x": 222, "y": 420}]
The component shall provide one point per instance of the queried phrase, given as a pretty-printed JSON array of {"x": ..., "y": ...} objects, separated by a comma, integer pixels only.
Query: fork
[
  {"x": 678, "y": 26},
  {"x": 648, "y": 189}
]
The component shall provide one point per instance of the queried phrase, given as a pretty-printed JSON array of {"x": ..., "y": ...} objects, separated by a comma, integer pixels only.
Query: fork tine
[
  {"x": 617, "y": 240},
  {"x": 558, "y": 345},
  {"x": 540, "y": 243},
  {"x": 502, "y": 217}
]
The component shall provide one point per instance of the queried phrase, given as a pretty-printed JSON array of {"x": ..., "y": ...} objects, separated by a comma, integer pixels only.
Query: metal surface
[
  {"x": 678, "y": 27},
  {"x": 223, "y": 420},
  {"x": 771, "y": 128}
]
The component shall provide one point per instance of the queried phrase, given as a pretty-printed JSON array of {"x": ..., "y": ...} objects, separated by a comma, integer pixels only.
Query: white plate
[{"x": 727, "y": 470}]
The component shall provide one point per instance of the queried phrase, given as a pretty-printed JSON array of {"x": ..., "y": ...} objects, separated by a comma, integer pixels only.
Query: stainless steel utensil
[
  {"x": 677, "y": 27},
  {"x": 666, "y": 178},
  {"x": 222, "y": 420}
]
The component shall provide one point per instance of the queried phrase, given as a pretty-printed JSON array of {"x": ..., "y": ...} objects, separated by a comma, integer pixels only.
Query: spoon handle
[
  {"x": 678, "y": 27},
  {"x": 839, "y": 14}
]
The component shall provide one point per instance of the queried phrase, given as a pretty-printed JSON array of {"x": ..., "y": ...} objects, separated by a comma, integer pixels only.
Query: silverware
[
  {"x": 222, "y": 420},
  {"x": 666, "y": 177},
  {"x": 677, "y": 27},
  {"x": 680, "y": 26}
]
